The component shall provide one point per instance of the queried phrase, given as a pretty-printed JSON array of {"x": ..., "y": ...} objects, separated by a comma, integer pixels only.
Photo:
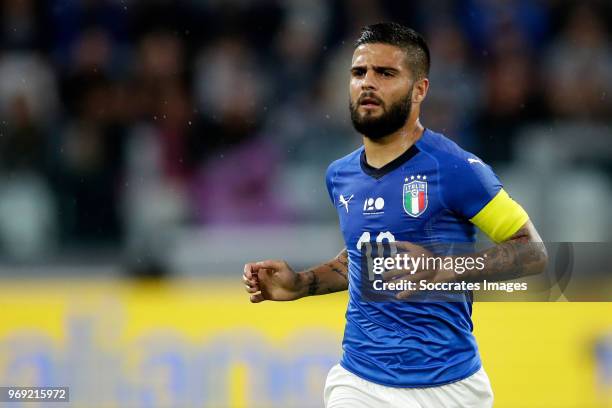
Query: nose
[{"x": 369, "y": 81}]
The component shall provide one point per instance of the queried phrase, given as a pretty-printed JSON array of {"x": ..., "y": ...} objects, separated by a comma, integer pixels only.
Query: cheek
[
  {"x": 400, "y": 92},
  {"x": 354, "y": 88}
]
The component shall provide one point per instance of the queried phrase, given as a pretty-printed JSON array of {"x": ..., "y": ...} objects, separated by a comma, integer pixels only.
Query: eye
[
  {"x": 357, "y": 72},
  {"x": 386, "y": 73}
]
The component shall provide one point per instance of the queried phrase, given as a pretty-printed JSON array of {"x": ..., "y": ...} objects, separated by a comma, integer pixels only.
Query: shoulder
[
  {"x": 445, "y": 151},
  {"x": 348, "y": 161},
  {"x": 454, "y": 162},
  {"x": 468, "y": 183}
]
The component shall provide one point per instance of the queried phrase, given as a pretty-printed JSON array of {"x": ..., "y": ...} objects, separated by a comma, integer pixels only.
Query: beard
[{"x": 389, "y": 121}]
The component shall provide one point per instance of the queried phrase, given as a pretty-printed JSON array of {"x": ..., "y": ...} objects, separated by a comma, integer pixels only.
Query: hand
[
  {"x": 423, "y": 272},
  {"x": 271, "y": 280}
]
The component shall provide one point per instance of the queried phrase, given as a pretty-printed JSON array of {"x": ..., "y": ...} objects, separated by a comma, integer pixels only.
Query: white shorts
[{"x": 344, "y": 389}]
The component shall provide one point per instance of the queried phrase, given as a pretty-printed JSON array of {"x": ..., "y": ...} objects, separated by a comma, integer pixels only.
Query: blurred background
[{"x": 177, "y": 140}]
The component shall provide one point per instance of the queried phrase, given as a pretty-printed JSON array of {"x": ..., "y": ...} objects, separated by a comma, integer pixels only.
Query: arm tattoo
[
  {"x": 339, "y": 272},
  {"x": 329, "y": 277},
  {"x": 342, "y": 259},
  {"x": 340, "y": 265},
  {"x": 313, "y": 286},
  {"x": 517, "y": 257}
]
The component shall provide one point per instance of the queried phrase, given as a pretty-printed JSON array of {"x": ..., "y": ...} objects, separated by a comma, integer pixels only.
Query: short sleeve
[
  {"x": 330, "y": 183},
  {"x": 501, "y": 218},
  {"x": 478, "y": 195},
  {"x": 469, "y": 186}
]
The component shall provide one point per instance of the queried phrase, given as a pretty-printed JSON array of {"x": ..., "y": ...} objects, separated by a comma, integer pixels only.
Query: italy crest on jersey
[{"x": 415, "y": 195}]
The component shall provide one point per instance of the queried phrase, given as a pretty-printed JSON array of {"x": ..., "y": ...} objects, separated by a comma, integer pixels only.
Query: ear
[{"x": 419, "y": 90}]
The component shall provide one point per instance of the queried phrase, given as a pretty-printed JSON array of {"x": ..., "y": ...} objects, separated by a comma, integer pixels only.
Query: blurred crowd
[{"x": 120, "y": 118}]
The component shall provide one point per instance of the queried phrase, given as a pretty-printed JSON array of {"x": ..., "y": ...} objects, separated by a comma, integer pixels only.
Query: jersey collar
[{"x": 389, "y": 167}]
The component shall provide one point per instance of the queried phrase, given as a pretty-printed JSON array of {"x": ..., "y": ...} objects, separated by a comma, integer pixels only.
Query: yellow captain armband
[{"x": 501, "y": 217}]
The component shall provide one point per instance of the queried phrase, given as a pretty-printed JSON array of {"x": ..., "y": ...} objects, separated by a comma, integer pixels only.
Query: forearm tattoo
[
  {"x": 341, "y": 265},
  {"x": 514, "y": 258},
  {"x": 313, "y": 285},
  {"x": 329, "y": 277}
]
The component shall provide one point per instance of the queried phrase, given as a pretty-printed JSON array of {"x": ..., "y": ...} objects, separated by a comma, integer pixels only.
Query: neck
[{"x": 385, "y": 150}]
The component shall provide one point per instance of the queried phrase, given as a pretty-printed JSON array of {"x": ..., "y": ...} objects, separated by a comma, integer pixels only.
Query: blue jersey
[{"x": 427, "y": 195}]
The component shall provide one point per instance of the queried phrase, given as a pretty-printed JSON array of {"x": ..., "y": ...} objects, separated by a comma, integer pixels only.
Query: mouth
[{"x": 369, "y": 102}]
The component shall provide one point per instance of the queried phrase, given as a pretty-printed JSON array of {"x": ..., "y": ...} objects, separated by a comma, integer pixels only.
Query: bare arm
[
  {"x": 326, "y": 278},
  {"x": 275, "y": 280},
  {"x": 523, "y": 254}
]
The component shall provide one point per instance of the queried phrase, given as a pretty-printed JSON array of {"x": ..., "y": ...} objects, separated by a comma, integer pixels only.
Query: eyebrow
[{"x": 376, "y": 68}]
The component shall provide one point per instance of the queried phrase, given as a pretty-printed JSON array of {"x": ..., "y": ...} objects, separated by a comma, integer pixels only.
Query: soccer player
[{"x": 413, "y": 185}]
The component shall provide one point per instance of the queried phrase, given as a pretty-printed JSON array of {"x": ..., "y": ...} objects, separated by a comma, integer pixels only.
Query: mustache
[{"x": 369, "y": 95}]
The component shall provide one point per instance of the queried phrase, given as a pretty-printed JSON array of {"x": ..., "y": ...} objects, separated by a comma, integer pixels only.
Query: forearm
[
  {"x": 326, "y": 278},
  {"x": 522, "y": 255}
]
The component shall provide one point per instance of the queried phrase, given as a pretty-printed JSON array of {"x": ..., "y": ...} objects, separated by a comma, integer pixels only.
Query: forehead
[{"x": 378, "y": 54}]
